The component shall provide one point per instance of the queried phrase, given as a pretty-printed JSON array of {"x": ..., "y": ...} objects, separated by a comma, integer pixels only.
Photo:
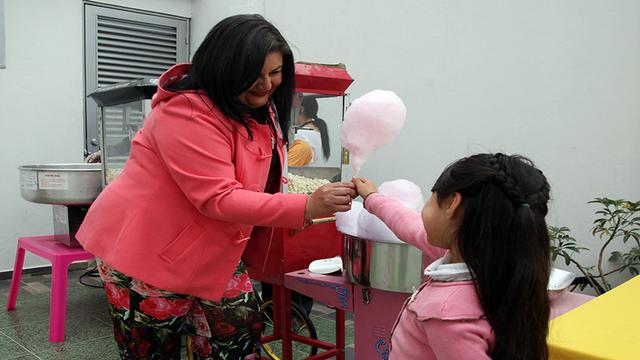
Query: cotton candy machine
[
  {"x": 70, "y": 188},
  {"x": 377, "y": 278},
  {"x": 382, "y": 265},
  {"x": 62, "y": 184},
  {"x": 373, "y": 256},
  {"x": 379, "y": 273}
]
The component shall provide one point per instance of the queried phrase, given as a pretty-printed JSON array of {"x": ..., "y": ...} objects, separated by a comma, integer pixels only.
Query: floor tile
[
  {"x": 29, "y": 308},
  {"x": 326, "y": 330},
  {"x": 103, "y": 348},
  {"x": 35, "y": 307},
  {"x": 90, "y": 301},
  {"x": 349, "y": 353},
  {"x": 35, "y": 335},
  {"x": 320, "y": 309},
  {"x": 9, "y": 349},
  {"x": 36, "y": 287}
]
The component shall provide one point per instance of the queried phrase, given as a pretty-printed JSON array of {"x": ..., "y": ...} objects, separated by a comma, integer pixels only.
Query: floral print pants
[{"x": 149, "y": 323}]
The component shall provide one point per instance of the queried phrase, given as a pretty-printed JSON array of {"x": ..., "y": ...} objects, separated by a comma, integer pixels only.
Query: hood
[
  {"x": 179, "y": 71},
  {"x": 173, "y": 74}
]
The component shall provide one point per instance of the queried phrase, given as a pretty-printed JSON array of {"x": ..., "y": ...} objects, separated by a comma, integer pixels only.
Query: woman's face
[{"x": 266, "y": 84}]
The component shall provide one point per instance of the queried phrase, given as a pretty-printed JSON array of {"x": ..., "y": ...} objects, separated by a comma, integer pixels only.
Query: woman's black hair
[
  {"x": 310, "y": 110},
  {"x": 503, "y": 239},
  {"x": 230, "y": 59}
]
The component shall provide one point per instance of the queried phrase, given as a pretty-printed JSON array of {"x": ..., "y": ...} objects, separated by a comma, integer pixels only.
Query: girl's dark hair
[
  {"x": 310, "y": 110},
  {"x": 503, "y": 239},
  {"x": 230, "y": 59}
]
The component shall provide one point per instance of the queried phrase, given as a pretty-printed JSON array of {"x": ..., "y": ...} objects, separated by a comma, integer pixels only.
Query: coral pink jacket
[{"x": 179, "y": 215}]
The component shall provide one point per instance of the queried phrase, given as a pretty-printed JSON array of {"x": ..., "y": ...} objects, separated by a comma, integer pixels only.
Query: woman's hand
[
  {"x": 364, "y": 187},
  {"x": 94, "y": 157},
  {"x": 330, "y": 198}
]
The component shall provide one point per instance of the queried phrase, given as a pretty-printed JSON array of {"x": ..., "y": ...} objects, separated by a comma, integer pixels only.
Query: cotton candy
[
  {"x": 347, "y": 222},
  {"x": 369, "y": 226},
  {"x": 372, "y": 120},
  {"x": 405, "y": 191}
]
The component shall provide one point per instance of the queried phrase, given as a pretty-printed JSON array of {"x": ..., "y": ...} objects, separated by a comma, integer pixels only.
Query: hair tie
[{"x": 524, "y": 204}]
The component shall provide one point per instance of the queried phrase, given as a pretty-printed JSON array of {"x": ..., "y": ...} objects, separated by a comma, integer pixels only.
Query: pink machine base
[{"x": 375, "y": 311}]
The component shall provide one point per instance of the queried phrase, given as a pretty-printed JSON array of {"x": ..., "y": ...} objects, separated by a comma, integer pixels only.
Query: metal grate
[
  {"x": 123, "y": 45},
  {"x": 130, "y": 49}
]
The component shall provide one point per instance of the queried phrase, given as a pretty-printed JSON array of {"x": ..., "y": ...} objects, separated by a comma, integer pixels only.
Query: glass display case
[
  {"x": 320, "y": 94},
  {"x": 316, "y": 155},
  {"x": 122, "y": 108}
]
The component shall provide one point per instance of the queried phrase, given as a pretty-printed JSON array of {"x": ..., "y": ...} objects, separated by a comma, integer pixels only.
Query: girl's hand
[
  {"x": 364, "y": 186},
  {"x": 330, "y": 198}
]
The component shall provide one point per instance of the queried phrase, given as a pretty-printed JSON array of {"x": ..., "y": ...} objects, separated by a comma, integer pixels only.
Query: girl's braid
[{"x": 505, "y": 181}]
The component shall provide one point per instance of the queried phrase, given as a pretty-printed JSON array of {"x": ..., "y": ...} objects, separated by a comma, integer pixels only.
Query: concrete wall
[
  {"x": 558, "y": 81},
  {"x": 41, "y": 103}
]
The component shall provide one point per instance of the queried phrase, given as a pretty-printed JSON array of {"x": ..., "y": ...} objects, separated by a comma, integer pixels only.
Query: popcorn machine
[
  {"x": 122, "y": 109},
  {"x": 273, "y": 252}
]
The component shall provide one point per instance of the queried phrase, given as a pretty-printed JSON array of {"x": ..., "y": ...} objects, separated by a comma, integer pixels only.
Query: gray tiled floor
[{"x": 24, "y": 332}]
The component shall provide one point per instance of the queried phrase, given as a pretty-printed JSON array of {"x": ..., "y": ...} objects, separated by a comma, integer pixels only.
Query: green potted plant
[{"x": 618, "y": 221}]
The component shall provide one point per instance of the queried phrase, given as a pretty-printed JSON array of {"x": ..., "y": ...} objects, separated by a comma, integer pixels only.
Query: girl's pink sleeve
[
  {"x": 454, "y": 340},
  {"x": 405, "y": 223}
]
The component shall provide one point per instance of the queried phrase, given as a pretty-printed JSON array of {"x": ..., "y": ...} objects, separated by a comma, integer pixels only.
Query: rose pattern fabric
[
  {"x": 224, "y": 330},
  {"x": 201, "y": 346},
  {"x": 117, "y": 296},
  {"x": 145, "y": 289},
  {"x": 237, "y": 285},
  {"x": 149, "y": 323},
  {"x": 156, "y": 307}
]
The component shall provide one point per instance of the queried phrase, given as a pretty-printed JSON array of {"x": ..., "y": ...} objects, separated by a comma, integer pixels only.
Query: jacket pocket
[
  {"x": 254, "y": 148},
  {"x": 182, "y": 243}
]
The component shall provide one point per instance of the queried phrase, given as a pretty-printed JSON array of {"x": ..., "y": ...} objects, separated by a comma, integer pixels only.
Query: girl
[
  {"x": 486, "y": 296},
  {"x": 311, "y": 146}
]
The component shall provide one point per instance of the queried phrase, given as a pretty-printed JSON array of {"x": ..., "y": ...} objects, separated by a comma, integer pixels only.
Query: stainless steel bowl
[
  {"x": 60, "y": 184},
  {"x": 394, "y": 267}
]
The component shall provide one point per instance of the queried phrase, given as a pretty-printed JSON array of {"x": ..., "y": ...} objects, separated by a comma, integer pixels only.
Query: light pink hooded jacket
[{"x": 442, "y": 320}]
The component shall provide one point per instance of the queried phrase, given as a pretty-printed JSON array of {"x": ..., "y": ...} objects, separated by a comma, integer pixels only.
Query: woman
[
  {"x": 206, "y": 167},
  {"x": 311, "y": 146}
]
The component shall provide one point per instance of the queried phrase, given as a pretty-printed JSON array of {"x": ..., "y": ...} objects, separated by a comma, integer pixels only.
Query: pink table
[{"x": 60, "y": 256}]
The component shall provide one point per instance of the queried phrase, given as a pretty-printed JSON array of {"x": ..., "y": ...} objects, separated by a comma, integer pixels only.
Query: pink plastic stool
[{"x": 60, "y": 256}]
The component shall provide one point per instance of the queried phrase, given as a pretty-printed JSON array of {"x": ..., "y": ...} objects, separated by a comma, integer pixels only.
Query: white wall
[
  {"x": 558, "y": 81},
  {"x": 41, "y": 103},
  {"x": 207, "y": 13}
]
